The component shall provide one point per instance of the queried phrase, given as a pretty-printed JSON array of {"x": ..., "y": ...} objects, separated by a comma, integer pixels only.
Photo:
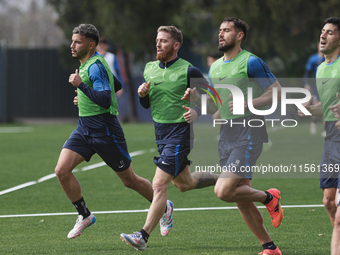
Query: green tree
[
  {"x": 283, "y": 33},
  {"x": 279, "y": 30}
]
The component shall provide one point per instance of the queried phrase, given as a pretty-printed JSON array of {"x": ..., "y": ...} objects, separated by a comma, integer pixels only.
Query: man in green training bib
[
  {"x": 98, "y": 130},
  {"x": 165, "y": 83},
  {"x": 328, "y": 86},
  {"x": 240, "y": 144}
]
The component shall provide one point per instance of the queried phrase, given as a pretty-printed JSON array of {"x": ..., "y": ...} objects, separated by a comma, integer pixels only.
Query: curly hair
[{"x": 87, "y": 30}]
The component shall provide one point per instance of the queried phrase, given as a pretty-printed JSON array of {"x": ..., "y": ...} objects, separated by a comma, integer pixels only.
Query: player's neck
[
  {"x": 89, "y": 55},
  {"x": 232, "y": 53},
  {"x": 174, "y": 56},
  {"x": 331, "y": 57}
]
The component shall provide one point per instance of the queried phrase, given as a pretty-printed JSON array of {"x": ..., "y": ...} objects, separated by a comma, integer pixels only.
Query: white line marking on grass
[
  {"x": 146, "y": 210},
  {"x": 5, "y": 130},
  {"x": 86, "y": 168},
  {"x": 21, "y": 186}
]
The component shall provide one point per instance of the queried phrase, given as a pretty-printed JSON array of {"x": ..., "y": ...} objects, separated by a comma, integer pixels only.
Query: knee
[
  {"x": 224, "y": 194},
  {"x": 61, "y": 173},
  {"x": 329, "y": 203},
  {"x": 159, "y": 187}
]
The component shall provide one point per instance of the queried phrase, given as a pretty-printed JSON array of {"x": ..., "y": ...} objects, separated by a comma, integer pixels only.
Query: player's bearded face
[
  {"x": 79, "y": 46},
  {"x": 165, "y": 46},
  {"x": 166, "y": 54},
  {"x": 227, "y": 44},
  {"x": 79, "y": 54},
  {"x": 227, "y": 37}
]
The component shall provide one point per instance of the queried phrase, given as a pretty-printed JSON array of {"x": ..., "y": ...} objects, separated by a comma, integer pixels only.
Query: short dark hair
[
  {"x": 174, "y": 32},
  {"x": 333, "y": 20},
  {"x": 238, "y": 24},
  {"x": 87, "y": 30}
]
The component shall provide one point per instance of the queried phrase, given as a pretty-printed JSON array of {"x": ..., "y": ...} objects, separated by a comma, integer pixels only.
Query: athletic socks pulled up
[
  {"x": 81, "y": 207},
  {"x": 268, "y": 199},
  {"x": 145, "y": 235}
]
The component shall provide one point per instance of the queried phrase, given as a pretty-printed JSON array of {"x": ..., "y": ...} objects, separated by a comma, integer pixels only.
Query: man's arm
[
  {"x": 192, "y": 113},
  {"x": 258, "y": 71},
  {"x": 101, "y": 97},
  {"x": 267, "y": 97},
  {"x": 191, "y": 95},
  {"x": 101, "y": 91},
  {"x": 315, "y": 109},
  {"x": 336, "y": 108},
  {"x": 143, "y": 92}
]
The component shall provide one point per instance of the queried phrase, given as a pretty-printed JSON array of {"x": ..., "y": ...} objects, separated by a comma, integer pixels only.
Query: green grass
[{"x": 29, "y": 156}]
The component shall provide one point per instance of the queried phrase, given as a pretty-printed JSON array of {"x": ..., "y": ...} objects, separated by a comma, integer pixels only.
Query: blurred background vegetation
[{"x": 283, "y": 33}]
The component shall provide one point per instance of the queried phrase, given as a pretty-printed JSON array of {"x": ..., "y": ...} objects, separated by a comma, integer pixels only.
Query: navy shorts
[
  {"x": 329, "y": 165},
  {"x": 173, "y": 158},
  {"x": 114, "y": 152},
  {"x": 238, "y": 157}
]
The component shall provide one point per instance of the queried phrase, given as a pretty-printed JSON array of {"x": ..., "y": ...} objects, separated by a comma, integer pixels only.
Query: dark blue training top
[{"x": 174, "y": 133}]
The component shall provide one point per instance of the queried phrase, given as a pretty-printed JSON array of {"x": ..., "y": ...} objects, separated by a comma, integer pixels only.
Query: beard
[
  {"x": 227, "y": 46},
  {"x": 165, "y": 55},
  {"x": 79, "y": 54}
]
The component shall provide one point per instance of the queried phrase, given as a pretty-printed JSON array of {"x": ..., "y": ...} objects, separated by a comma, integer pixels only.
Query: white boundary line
[
  {"x": 6, "y": 130},
  {"x": 86, "y": 168},
  {"x": 146, "y": 210}
]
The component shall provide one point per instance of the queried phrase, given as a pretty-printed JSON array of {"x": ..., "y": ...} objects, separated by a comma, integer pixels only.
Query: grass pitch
[{"x": 30, "y": 155}]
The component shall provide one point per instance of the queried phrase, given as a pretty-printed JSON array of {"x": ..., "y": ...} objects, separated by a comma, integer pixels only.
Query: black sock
[
  {"x": 269, "y": 246},
  {"x": 268, "y": 199},
  {"x": 81, "y": 207},
  {"x": 144, "y": 235}
]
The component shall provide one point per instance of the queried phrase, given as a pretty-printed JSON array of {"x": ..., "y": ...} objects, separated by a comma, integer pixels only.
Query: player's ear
[
  {"x": 177, "y": 45},
  {"x": 92, "y": 45},
  {"x": 240, "y": 35}
]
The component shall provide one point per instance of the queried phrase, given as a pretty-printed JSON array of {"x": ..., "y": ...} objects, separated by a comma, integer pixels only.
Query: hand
[
  {"x": 231, "y": 104},
  {"x": 307, "y": 106},
  {"x": 191, "y": 95},
  {"x": 75, "y": 99},
  {"x": 336, "y": 108},
  {"x": 75, "y": 79},
  {"x": 337, "y": 124},
  {"x": 144, "y": 89},
  {"x": 190, "y": 115}
]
